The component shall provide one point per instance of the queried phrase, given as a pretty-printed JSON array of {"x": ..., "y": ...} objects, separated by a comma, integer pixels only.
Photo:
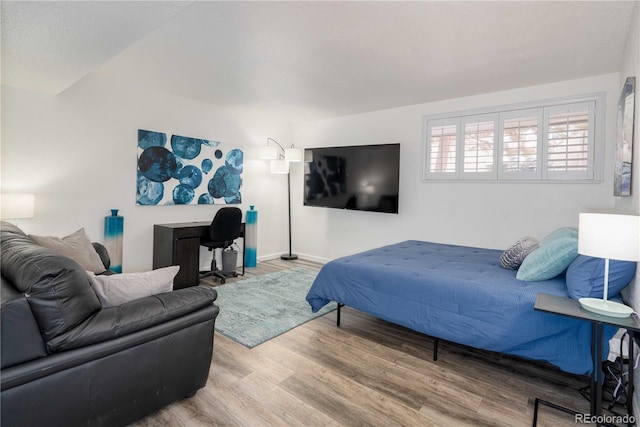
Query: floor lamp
[
  {"x": 608, "y": 236},
  {"x": 280, "y": 158}
]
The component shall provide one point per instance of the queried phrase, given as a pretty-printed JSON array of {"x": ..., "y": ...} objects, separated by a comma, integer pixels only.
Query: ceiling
[{"x": 302, "y": 60}]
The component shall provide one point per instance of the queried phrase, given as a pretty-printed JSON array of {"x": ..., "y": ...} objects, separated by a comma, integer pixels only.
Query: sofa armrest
[
  {"x": 143, "y": 313},
  {"x": 103, "y": 254},
  {"x": 201, "y": 320},
  {"x": 20, "y": 337}
]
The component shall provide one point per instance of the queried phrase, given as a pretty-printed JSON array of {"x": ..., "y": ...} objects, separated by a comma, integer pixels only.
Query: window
[
  {"x": 479, "y": 146},
  {"x": 442, "y": 148},
  {"x": 520, "y": 140},
  {"x": 552, "y": 141},
  {"x": 570, "y": 142}
]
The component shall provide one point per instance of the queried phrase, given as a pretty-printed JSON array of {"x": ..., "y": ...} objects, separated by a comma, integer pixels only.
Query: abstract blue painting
[{"x": 186, "y": 171}]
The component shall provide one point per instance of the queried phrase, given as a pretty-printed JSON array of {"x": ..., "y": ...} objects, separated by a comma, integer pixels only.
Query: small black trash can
[{"x": 229, "y": 262}]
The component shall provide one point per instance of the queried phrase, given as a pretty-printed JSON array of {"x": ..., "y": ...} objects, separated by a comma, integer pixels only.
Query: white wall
[
  {"x": 630, "y": 68},
  {"x": 77, "y": 153},
  {"x": 631, "y": 205},
  {"x": 491, "y": 215}
]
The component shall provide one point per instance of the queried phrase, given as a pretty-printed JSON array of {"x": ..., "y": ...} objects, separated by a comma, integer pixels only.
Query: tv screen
[{"x": 360, "y": 177}]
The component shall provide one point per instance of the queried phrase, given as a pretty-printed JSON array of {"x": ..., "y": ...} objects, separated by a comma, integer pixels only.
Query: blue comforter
[{"x": 460, "y": 294}]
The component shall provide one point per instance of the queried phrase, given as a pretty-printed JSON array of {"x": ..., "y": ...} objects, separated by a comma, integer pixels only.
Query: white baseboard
[
  {"x": 314, "y": 258},
  {"x": 300, "y": 256},
  {"x": 207, "y": 262},
  {"x": 268, "y": 257}
]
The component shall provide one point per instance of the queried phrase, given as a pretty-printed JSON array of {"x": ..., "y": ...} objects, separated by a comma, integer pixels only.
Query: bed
[{"x": 459, "y": 294}]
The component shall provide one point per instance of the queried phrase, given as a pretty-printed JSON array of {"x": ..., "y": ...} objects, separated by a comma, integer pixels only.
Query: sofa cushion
[
  {"x": 120, "y": 288},
  {"x": 76, "y": 246},
  {"x": 57, "y": 288}
]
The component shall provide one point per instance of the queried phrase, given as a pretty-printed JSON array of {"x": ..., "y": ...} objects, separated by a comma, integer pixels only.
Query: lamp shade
[
  {"x": 293, "y": 154},
  {"x": 609, "y": 236},
  {"x": 267, "y": 152},
  {"x": 279, "y": 166},
  {"x": 16, "y": 206}
]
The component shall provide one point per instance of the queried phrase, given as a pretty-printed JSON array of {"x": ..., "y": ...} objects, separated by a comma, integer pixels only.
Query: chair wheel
[{"x": 222, "y": 281}]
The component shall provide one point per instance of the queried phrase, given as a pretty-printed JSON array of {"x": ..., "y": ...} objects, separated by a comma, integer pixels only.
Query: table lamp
[
  {"x": 608, "y": 236},
  {"x": 16, "y": 206}
]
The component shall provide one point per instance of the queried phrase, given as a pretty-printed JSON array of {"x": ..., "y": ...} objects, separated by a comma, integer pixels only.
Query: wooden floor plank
[
  {"x": 378, "y": 369},
  {"x": 244, "y": 362},
  {"x": 288, "y": 407},
  {"x": 366, "y": 372}
]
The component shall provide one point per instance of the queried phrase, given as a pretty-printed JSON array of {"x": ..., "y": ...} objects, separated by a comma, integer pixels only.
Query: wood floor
[{"x": 367, "y": 373}]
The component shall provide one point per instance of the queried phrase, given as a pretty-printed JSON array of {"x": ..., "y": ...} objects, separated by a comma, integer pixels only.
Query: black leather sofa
[{"x": 65, "y": 361}]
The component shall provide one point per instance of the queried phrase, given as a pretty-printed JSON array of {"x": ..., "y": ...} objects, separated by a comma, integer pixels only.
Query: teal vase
[
  {"x": 251, "y": 237},
  {"x": 113, "y": 230}
]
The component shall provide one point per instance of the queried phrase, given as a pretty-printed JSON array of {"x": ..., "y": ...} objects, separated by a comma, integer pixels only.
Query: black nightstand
[{"x": 571, "y": 308}]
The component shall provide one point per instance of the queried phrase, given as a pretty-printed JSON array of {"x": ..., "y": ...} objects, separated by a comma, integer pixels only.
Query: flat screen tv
[{"x": 359, "y": 177}]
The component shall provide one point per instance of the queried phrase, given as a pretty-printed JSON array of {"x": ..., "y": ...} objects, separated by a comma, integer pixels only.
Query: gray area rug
[{"x": 256, "y": 310}]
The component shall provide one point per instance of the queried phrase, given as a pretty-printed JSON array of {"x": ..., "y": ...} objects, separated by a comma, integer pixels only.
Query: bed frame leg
[
  {"x": 338, "y": 314},
  {"x": 435, "y": 348}
]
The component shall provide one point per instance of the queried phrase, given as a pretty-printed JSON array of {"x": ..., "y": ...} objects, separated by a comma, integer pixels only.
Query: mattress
[{"x": 460, "y": 294}]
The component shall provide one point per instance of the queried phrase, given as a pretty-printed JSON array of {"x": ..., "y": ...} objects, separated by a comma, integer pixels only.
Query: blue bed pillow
[
  {"x": 549, "y": 260},
  {"x": 585, "y": 276}
]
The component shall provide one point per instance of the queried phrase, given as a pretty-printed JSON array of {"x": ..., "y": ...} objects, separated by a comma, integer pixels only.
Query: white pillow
[
  {"x": 117, "y": 289},
  {"x": 76, "y": 246}
]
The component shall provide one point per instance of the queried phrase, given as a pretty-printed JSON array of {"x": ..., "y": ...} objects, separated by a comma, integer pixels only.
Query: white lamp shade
[
  {"x": 268, "y": 152},
  {"x": 609, "y": 236},
  {"x": 293, "y": 154},
  {"x": 279, "y": 166},
  {"x": 16, "y": 206}
]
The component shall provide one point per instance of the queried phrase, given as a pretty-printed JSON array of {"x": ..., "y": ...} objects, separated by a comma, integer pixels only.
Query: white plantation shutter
[
  {"x": 546, "y": 141},
  {"x": 569, "y": 148},
  {"x": 520, "y": 135},
  {"x": 442, "y": 149},
  {"x": 479, "y": 147}
]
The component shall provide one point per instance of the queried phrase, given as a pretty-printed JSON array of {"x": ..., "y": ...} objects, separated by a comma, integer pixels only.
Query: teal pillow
[
  {"x": 549, "y": 260},
  {"x": 560, "y": 232}
]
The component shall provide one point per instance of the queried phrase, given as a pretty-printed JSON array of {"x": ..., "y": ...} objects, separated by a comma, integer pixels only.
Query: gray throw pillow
[
  {"x": 76, "y": 246},
  {"x": 117, "y": 289},
  {"x": 515, "y": 255}
]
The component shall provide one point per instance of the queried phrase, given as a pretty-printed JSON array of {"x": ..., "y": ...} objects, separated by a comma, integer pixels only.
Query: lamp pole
[{"x": 290, "y": 256}]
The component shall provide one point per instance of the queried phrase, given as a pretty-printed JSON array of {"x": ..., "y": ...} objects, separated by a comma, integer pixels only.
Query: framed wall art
[
  {"x": 624, "y": 139},
  {"x": 185, "y": 171}
]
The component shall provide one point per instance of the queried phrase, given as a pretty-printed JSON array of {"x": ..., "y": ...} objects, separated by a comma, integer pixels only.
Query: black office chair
[{"x": 224, "y": 229}]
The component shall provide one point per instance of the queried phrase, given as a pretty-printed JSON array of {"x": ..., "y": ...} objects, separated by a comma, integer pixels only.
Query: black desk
[
  {"x": 571, "y": 308},
  {"x": 179, "y": 244}
]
